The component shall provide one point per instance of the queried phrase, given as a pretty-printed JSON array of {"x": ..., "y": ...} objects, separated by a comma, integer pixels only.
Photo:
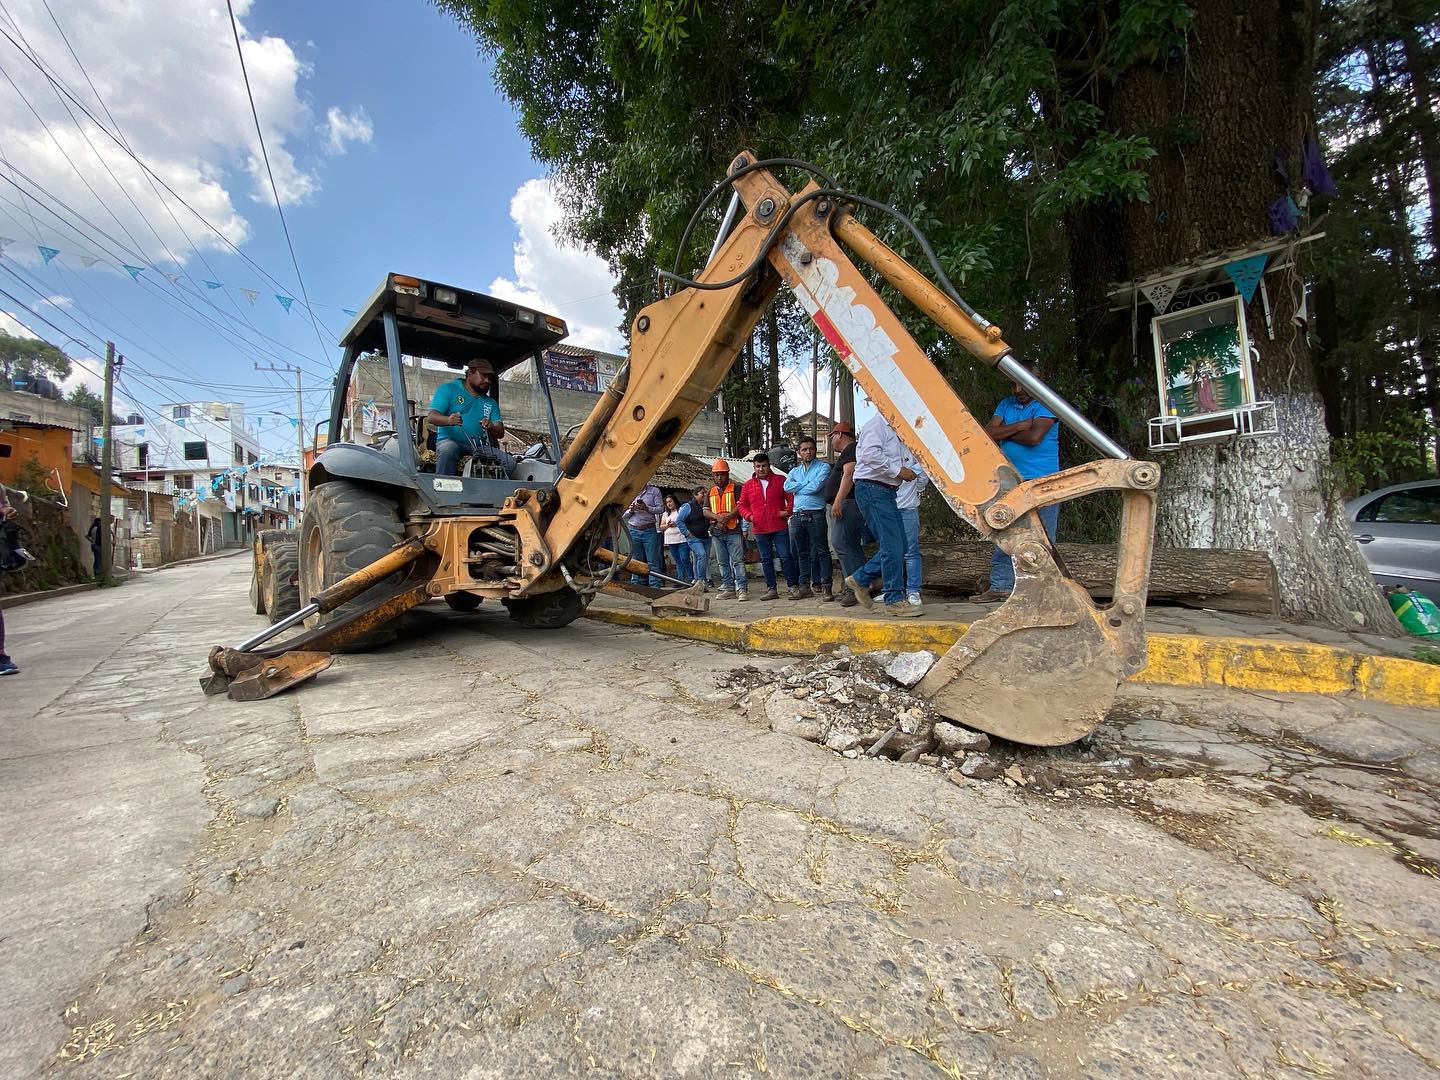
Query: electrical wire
[{"x": 275, "y": 191}]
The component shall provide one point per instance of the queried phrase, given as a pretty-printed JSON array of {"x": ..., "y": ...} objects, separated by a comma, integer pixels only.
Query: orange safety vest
[{"x": 723, "y": 502}]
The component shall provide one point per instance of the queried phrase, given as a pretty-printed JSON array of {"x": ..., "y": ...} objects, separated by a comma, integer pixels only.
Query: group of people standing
[
  {"x": 870, "y": 492},
  {"x": 795, "y": 519}
]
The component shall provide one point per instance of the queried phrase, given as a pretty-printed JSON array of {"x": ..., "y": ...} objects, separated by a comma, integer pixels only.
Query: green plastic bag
[{"x": 1417, "y": 613}]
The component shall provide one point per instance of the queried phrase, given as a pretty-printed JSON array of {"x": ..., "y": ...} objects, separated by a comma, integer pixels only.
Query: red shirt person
[{"x": 766, "y": 504}]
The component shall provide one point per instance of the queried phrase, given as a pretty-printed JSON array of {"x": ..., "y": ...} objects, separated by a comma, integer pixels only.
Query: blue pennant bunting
[
  {"x": 349, "y": 312},
  {"x": 133, "y": 271},
  {"x": 213, "y": 285},
  {"x": 285, "y": 301},
  {"x": 1246, "y": 274},
  {"x": 48, "y": 253}
]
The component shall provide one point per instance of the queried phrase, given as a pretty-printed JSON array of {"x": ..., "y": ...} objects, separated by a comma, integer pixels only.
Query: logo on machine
[{"x": 444, "y": 483}]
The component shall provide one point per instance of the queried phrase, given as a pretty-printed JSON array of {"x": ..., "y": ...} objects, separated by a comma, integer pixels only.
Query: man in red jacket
[{"x": 766, "y": 504}]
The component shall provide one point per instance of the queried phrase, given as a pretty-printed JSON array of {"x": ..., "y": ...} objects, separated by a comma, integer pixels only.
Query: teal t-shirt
[
  {"x": 1031, "y": 462},
  {"x": 455, "y": 397}
]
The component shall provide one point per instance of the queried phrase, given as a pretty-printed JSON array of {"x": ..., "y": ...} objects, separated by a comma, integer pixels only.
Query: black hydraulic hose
[{"x": 822, "y": 193}]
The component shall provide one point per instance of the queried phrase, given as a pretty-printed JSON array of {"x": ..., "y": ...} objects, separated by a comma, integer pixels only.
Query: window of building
[
  {"x": 179, "y": 412},
  {"x": 184, "y": 481},
  {"x": 251, "y": 458},
  {"x": 196, "y": 451},
  {"x": 142, "y": 456},
  {"x": 237, "y": 454}
]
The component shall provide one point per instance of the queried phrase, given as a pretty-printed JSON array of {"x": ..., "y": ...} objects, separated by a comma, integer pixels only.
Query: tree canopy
[{"x": 31, "y": 356}]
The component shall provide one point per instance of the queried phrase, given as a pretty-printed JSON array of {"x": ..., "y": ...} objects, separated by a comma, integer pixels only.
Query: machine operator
[{"x": 466, "y": 416}]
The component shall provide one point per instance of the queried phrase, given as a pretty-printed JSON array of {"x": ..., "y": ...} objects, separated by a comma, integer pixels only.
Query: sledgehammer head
[{"x": 691, "y": 601}]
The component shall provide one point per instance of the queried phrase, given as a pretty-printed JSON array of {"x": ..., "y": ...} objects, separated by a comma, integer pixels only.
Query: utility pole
[
  {"x": 107, "y": 545},
  {"x": 299, "y": 416},
  {"x": 815, "y": 388}
]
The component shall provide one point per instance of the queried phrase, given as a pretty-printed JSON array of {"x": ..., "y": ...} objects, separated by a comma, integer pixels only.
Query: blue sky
[{"x": 391, "y": 148}]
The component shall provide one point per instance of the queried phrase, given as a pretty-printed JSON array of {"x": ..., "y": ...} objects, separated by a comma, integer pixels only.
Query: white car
[{"x": 1398, "y": 530}]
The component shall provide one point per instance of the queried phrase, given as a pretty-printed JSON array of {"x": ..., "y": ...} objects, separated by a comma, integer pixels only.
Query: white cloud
[
  {"x": 56, "y": 301},
  {"x": 343, "y": 127},
  {"x": 12, "y": 326},
  {"x": 555, "y": 278},
  {"x": 167, "y": 73}
]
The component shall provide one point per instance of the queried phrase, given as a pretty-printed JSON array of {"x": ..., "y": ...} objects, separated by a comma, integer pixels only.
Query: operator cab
[{"x": 412, "y": 336}]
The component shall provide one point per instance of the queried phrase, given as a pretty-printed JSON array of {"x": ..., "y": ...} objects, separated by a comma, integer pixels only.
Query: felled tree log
[{"x": 1225, "y": 579}]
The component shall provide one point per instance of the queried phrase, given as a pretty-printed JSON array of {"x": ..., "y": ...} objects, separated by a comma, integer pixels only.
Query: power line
[{"x": 275, "y": 191}]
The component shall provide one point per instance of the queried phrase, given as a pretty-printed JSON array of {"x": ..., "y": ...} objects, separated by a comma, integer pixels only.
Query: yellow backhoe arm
[{"x": 1043, "y": 668}]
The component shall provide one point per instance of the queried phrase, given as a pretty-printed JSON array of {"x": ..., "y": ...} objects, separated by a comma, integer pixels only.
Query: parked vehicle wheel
[
  {"x": 463, "y": 601},
  {"x": 345, "y": 528},
  {"x": 258, "y": 569},
  {"x": 282, "y": 579},
  {"x": 548, "y": 611}
]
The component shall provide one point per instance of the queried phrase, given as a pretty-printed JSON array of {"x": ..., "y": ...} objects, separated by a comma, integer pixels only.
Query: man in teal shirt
[
  {"x": 465, "y": 417},
  {"x": 808, "y": 525}
]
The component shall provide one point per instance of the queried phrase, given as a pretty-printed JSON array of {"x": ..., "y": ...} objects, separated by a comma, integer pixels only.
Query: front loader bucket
[{"x": 1039, "y": 670}]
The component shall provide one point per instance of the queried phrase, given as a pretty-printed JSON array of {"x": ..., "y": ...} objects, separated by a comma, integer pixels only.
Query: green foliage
[
  {"x": 1389, "y": 453},
  {"x": 86, "y": 398},
  {"x": 31, "y": 356},
  {"x": 1426, "y": 654}
]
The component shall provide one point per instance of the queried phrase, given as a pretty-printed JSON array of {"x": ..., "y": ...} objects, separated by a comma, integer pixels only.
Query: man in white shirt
[
  {"x": 880, "y": 469},
  {"x": 907, "y": 498}
]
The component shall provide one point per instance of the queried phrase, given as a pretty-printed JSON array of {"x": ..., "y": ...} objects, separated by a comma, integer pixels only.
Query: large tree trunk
[{"x": 1244, "y": 88}]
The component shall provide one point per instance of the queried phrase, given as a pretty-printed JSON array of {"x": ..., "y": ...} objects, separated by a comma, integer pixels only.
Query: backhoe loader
[{"x": 380, "y": 534}]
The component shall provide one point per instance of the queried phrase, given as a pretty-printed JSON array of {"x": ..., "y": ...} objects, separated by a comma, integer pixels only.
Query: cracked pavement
[{"x": 486, "y": 852}]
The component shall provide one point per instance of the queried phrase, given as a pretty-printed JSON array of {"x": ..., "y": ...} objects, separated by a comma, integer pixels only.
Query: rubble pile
[{"x": 860, "y": 704}]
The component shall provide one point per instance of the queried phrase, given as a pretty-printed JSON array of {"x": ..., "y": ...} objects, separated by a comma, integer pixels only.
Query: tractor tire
[
  {"x": 263, "y": 539},
  {"x": 548, "y": 611},
  {"x": 281, "y": 589},
  {"x": 463, "y": 601},
  {"x": 345, "y": 528}
]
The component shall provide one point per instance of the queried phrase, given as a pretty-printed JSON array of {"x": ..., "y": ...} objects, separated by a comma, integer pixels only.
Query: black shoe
[{"x": 848, "y": 600}]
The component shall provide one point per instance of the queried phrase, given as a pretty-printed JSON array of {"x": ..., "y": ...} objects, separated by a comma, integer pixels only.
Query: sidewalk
[{"x": 1187, "y": 647}]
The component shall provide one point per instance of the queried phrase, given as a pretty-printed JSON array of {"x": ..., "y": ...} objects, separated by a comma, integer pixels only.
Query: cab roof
[{"x": 451, "y": 325}]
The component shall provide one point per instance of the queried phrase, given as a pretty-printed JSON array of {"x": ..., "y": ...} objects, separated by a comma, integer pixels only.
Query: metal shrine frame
[{"x": 1241, "y": 416}]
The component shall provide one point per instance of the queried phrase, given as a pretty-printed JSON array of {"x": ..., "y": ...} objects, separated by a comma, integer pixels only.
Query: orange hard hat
[{"x": 721, "y": 465}]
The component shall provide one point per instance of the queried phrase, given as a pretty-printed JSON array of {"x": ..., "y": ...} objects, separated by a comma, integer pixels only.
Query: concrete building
[
  {"x": 576, "y": 378},
  {"x": 198, "y": 446}
]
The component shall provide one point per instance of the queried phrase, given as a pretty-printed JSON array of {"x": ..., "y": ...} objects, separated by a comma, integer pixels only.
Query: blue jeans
[
  {"x": 1002, "y": 570},
  {"x": 730, "y": 553},
  {"x": 448, "y": 453},
  {"x": 845, "y": 538},
  {"x": 646, "y": 546},
  {"x": 680, "y": 555},
  {"x": 770, "y": 545},
  {"x": 877, "y": 504},
  {"x": 699, "y": 559},
  {"x": 812, "y": 553},
  {"x": 911, "y": 520}
]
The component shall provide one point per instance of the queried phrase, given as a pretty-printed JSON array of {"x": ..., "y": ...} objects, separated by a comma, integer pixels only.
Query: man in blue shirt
[
  {"x": 808, "y": 525},
  {"x": 1029, "y": 436},
  {"x": 465, "y": 416}
]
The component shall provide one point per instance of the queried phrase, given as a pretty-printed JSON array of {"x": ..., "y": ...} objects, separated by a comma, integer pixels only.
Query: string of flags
[
  {"x": 50, "y": 254},
  {"x": 185, "y": 499}
]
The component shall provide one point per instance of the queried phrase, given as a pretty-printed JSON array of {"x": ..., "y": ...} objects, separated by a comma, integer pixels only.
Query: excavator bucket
[{"x": 1038, "y": 670}]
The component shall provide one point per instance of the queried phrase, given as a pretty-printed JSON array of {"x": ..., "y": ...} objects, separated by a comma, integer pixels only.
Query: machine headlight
[
  {"x": 525, "y": 316},
  {"x": 443, "y": 296}
]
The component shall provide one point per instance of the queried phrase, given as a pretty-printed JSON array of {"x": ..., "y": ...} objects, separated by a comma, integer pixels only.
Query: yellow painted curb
[{"x": 1287, "y": 667}]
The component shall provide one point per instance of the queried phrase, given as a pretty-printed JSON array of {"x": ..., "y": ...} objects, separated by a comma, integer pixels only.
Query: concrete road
[{"x": 490, "y": 853}]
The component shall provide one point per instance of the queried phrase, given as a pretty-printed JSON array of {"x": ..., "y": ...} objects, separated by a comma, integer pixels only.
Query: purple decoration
[
  {"x": 1282, "y": 214},
  {"x": 1317, "y": 177}
]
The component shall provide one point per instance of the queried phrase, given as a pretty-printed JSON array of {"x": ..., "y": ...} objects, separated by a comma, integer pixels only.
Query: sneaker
[
  {"x": 24, "y": 555},
  {"x": 770, "y": 594},
  {"x": 725, "y": 594},
  {"x": 742, "y": 596},
  {"x": 7, "y": 667},
  {"x": 798, "y": 592},
  {"x": 903, "y": 609},
  {"x": 913, "y": 598},
  {"x": 848, "y": 600},
  {"x": 862, "y": 593}
]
